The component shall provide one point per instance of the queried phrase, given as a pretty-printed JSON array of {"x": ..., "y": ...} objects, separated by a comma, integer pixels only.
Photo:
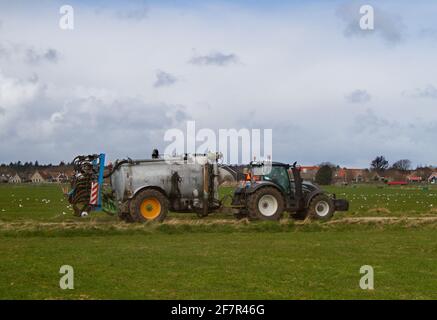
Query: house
[
  {"x": 376, "y": 177},
  {"x": 40, "y": 177},
  {"x": 433, "y": 178},
  {"x": 414, "y": 178},
  {"x": 309, "y": 172},
  {"x": 356, "y": 175},
  {"x": 340, "y": 175},
  {"x": 16, "y": 178},
  {"x": 4, "y": 178},
  {"x": 345, "y": 175},
  {"x": 61, "y": 178}
]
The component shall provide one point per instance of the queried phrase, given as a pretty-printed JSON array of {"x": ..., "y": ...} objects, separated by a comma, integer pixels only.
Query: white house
[
  {"x": 15, "y": 178},
  {"x": 4, "y": 178},
  {"x": 433, "y": 178},
  {"x": 38, "y": 177}
]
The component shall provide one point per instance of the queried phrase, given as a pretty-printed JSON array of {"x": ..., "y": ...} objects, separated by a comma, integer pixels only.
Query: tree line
[
  {"x": 379, "y": 165},
  {"x": 32, "y": 165}
]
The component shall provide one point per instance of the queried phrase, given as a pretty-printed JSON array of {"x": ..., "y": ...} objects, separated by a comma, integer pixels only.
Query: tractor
[
  {"x": 270, "y": 188},
  {"x": 145, "y": 190}
]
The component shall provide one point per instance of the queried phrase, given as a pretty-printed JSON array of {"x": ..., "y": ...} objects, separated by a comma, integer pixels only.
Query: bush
[{"x": 324, "y": 175}]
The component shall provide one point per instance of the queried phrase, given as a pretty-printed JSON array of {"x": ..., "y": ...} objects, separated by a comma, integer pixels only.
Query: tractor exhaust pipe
[{"x": 298, "y": 186}]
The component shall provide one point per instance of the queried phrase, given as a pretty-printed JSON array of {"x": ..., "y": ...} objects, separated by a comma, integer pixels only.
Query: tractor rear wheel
[
  {"x": 149, "y": 205},
  {"x": 266, "y": 204},
  {"x": 321, "y": 208}
]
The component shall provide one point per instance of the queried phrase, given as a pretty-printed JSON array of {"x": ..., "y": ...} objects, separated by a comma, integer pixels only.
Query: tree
[
  {"x": 324, "y": 175},
  {"x": 402, "y": 165},
  {"x": 380, "y": 164}
]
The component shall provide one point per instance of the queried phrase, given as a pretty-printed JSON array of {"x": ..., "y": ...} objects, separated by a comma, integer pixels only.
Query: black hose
[{"x": 117, "y": 165}]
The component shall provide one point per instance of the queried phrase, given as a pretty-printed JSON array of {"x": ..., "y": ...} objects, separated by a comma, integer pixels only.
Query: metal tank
[{"x": 189, "y": 182}]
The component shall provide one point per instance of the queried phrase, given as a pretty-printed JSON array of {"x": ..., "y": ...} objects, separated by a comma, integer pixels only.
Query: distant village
[
  {"x": 377, "y": 173},
  {"x": 389, "y": 176},
  {"x": 31, "y": 173}
]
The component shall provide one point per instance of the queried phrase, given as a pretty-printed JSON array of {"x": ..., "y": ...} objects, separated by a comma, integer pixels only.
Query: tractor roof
[{"x": 274, "y": 164}]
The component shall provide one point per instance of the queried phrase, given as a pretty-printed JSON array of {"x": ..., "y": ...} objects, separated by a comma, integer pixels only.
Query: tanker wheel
[
  {"x": 149, "y": 205},
  {"x": 266, "y": 204}
]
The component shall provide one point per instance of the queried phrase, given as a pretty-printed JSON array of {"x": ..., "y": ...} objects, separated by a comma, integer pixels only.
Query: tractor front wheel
[
  {"x": 149, "y": 205},
  {"x": 266, "y": 204},
  {"x": 321, "y": 208}
]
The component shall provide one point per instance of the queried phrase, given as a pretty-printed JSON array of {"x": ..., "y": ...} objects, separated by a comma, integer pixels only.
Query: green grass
[
  {"x": 46, "y": 202},
  {"x": 371, "y": 200},
  {"x": 253, "y": 265},
  {"x": 217, "y": 257}
]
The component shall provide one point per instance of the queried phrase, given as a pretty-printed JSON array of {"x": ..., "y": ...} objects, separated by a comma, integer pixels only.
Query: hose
[{"x": 117, "y": 165}]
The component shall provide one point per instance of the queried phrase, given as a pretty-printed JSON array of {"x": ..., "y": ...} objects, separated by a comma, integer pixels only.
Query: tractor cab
[{"x": 277, "y": 173}]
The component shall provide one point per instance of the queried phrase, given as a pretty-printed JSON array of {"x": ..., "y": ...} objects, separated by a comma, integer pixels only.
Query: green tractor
[{"x": 270, "y": 188}]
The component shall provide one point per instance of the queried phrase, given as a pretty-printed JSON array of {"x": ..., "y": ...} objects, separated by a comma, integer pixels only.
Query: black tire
[
  {"x": 266, "y": 204},
  {"x": 241, "y": 214},
  {"x": 126, "y": 217},
  {"x": 300, "y": 215},
  {"x": 79, "y": 208},
  {"x": 321, "y": 207},
  {"x": 149, "y": 205}
]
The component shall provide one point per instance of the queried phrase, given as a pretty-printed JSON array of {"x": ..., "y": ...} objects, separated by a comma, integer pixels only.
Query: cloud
[
  {"x": 429, "y": 92},
  {"x": 358, "y": 96},
  {"x": 15, "y": 92},
  {"x": 164, "y": 79},
  {"x": 389, "y": 27},
  {"x": 428, "y": 33},
  {"x": 214, "y": 58},
  {"x": 27, "y": 53},
  {"x": 136, "y": 14},
  {"x": 296, "y": 68},
  {"x": 55, "y": 127},
  {"x": 134, "y": 10},
  {"x": 5, "y": 51},
  {"x": 33, "y": 56}
]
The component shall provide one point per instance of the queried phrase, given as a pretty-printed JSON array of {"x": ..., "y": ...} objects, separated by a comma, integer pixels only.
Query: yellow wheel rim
[{"x": 150, "y": 208}]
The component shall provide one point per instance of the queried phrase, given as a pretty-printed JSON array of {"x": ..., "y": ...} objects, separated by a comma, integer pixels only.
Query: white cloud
[
  {"x": 389, "y": 27},
  {"x": 297, "y": 67},
  {"x": 164, "y": 79},
  {"x": 15, "y": 92},
  {"x": 214, "y": 58},
  {"x": 428, "y": 92},
  {"x": 358, "y": 96}
]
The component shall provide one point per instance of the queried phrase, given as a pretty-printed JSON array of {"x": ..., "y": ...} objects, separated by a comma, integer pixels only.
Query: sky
[{"x": 131, "y": 70}]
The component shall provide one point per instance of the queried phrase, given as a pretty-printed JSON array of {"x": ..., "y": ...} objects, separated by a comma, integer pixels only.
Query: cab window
[{"x": 279, "y": 175}]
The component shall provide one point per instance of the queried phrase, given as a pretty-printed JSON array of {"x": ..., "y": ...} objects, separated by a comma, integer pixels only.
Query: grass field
[{"x": 218, "y": 257}]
